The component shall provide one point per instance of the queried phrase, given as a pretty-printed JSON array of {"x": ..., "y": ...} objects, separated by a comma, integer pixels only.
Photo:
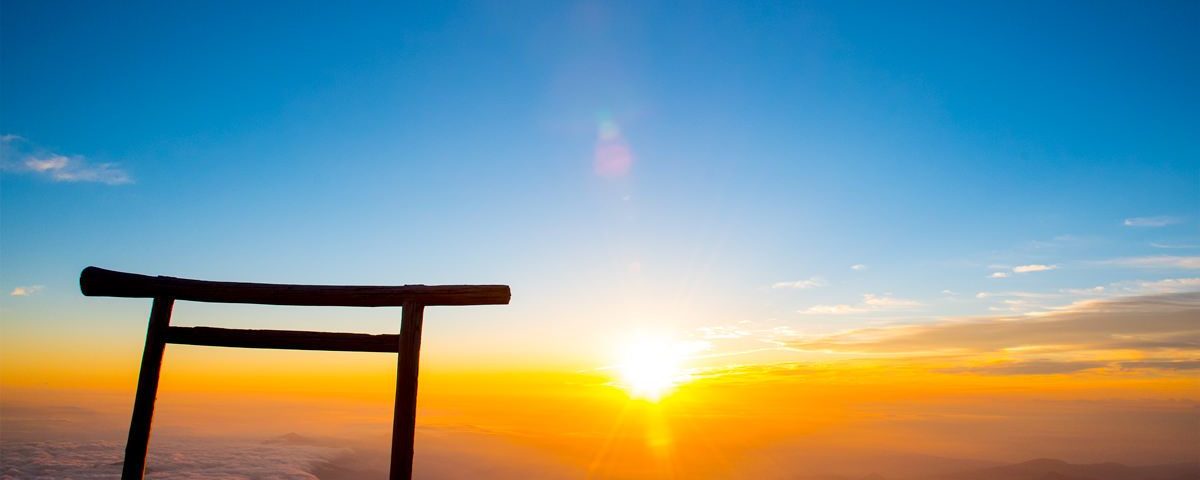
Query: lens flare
[{"x": 613, "y": 158}]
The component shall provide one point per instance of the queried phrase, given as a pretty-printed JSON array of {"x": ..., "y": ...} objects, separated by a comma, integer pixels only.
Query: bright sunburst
[{"x": 650, "y": 366}]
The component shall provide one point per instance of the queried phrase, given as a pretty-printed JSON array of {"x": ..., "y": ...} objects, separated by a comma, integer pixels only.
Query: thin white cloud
[
  {"x": 1036, "y": 267},
  {"x": 1149, "y": 323},
  {"x": 61, "y": 168},
  {"x": 1019, "y": 305},
  {"x": 19, "y": 158},
  {"x": 1033, "y": 268},
  {"x": 1146, "y": 287},
  {"x": 1169, "y": 245},
  {"x": 1017, "y": 294},
  {"x": 1030, "y": 367},
  {"x": 1157, "y": 261},
  {"x": 1112, "y": 290},
  {"x": 1084, "y": 292},
  {"x": 1152, "y": 222},
  {"x": 841, "y": 309},
  {"x": 858, "y": 267},
  {"x": 719, "y": 332},
  {"x": 889, "y": 302},
  {"x": 871, "y": 303},
  {"x": 813, "y": 282},
  {"x": 25, "y": 291}
]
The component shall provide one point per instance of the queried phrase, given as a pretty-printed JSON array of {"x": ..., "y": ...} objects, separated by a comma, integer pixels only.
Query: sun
[{"x": 651, "y": 366}]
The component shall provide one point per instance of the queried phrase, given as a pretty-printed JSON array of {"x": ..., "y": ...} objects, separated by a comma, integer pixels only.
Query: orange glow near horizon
[{"x": 657, "y": 403}]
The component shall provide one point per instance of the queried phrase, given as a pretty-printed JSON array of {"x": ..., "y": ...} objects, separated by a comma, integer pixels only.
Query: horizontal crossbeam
[
  {"x": 283, "y": 339},
  {"x": 98, "y": 282}
]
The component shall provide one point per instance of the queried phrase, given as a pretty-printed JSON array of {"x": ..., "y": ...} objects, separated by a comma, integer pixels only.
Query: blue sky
[{"x": 772, "y": 148}]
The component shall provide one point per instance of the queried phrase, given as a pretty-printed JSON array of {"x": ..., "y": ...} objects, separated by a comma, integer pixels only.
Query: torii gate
[{"x": 165, "y": 290}]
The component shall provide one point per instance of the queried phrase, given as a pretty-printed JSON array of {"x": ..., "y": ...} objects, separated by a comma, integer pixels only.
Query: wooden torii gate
[{"x": 165, "y": 290}]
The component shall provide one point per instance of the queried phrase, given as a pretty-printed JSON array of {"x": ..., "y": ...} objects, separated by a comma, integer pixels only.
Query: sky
[{"x": 915, "y": 208}]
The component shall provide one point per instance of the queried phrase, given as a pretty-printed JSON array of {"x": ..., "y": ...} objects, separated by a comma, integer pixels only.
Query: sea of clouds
[{"x": 168, "y": 460}]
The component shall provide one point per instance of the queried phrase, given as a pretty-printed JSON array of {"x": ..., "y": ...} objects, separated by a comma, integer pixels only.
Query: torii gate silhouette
[{"x": 165, "y": 290}]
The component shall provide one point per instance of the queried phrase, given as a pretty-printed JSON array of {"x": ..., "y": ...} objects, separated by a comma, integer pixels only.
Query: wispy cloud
[
  {"x": 1157, "y": 261},
  {"x": 61, "y": 168},
  {"x": 1130, "y": 288},
  {"x": 25, "y": 291},
  {"x": 1033, "y": 268},
  {"x": 840, "y": 309},
  {"x": 1030, "y": 367},
  {"x": 1015, "y": 294},
  {"x": 858, "y": 267},
  {"x": 1156, "y": 221},
  {"x": 871, "y": 303},
  {"x": 1084, "y": 292},
  {"x": 1057, "y": 367},
  {"x": 887, "y": 302},
  {"x": 1160, "y": 325},
  {"x": 21, "y": 158},
  {"x": 1166, "y": 285},
  {"x": 1173, "y": 245},
  {"x": 1162, "y": 364},
  {"x": 813, "y": 282}
]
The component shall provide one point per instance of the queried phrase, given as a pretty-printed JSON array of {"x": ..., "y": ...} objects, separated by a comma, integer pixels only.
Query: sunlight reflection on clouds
[{"x": 183, "y": 460}]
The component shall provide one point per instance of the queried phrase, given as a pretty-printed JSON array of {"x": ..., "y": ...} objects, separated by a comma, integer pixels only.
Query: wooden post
[
  {"x": 404, "y": 419},
  {"x": 147, "y": 389},
  {"x": 166, "y": 290}
]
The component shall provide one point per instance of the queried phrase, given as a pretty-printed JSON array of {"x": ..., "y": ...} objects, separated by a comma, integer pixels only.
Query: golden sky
[
  {"x": 1098, "y": 381},
  {"x": 743, "y": 239}
]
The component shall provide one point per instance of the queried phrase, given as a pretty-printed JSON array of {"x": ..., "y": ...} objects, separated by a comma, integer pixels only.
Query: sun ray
[{"x": 651, "y": 366}]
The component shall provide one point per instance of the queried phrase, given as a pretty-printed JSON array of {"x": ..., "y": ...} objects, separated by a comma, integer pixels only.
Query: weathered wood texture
[
  {"x": 283, "y": 339},
  {"x": 404, "y": 420},
  {"x": 147, "y": 390},
  {"x": 165, "y": 290},
  {"x": 107, "y": 283}
]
